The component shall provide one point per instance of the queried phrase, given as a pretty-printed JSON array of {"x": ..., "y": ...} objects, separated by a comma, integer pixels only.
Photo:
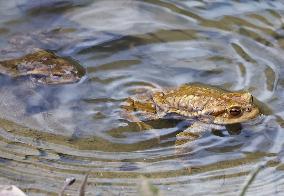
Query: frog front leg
[{"x": 195, "y": 131}]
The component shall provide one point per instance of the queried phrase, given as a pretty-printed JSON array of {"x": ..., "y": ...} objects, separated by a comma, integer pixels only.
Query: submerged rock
[{"x": 10, "y": 190}]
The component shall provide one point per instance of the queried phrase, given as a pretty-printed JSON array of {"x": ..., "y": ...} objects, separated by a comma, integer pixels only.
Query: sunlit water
[{"x": 50, "y": 133}]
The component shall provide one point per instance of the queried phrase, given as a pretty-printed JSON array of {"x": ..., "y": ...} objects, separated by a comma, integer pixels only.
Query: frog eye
[{"x": 235, "y": 111}]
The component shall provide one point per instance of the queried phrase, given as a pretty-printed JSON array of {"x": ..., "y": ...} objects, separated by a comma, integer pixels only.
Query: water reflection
[{"x": 129, "y": 47}]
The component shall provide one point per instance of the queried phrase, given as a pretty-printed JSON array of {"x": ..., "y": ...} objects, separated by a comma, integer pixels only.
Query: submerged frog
[
  {"x": 43, "y": 67},
  {"x": 206, "y": 107}
]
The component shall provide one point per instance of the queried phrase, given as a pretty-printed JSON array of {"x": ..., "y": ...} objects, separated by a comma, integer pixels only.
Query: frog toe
[{"x": 143, "y": 126}]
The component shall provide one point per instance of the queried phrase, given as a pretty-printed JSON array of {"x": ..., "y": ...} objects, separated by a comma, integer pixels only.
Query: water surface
[{"x": 53, "y": 132}]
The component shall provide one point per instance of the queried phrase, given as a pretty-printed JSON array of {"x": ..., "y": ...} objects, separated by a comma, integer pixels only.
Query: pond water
[{"x": 49, "y": 133}]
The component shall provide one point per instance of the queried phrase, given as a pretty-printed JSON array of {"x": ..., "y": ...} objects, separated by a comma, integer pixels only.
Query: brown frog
[
  {"x": 207, "y": 107},
  {"x": 43, "y": 67}
]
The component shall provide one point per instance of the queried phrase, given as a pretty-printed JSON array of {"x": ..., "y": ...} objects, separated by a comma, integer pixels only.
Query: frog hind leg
[
  {"x": 143, "y": 126},
  {"x": 132, "y": 118},
  {"x": 130, "y": 107},
  {"x": 127, "y": 113}
]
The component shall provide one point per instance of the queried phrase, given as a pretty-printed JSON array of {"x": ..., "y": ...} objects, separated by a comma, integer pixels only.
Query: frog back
[{"x": 190, "y": 100}]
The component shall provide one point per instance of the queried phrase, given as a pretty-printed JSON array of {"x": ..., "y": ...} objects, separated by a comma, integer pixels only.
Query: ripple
[{"x": 130, "y": 47}]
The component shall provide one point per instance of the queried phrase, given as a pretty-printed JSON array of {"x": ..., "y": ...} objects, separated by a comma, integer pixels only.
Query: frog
[
  {"x": 205, "y": 107},
  {"x": 43, "y": 67}
]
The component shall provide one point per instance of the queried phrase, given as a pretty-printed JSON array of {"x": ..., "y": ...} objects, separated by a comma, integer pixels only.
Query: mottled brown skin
[
  {"x": 208, "y": 107},
  {"x": 44, "y": 67}
]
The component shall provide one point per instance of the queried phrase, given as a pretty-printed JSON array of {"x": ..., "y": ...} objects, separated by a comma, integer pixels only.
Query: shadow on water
[{"x": 48, "y": 133}]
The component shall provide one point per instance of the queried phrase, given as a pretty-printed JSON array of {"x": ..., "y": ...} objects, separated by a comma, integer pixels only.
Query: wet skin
[
  {"x": 43, "y": 67},
  {"x": 207, "y": 107}
]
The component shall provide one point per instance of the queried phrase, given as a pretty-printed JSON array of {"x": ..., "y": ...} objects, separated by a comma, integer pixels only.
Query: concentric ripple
[{"x": 49, "y": 133}]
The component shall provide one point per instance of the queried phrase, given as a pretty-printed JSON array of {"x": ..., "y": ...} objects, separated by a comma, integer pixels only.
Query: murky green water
[{"x": 53, "y": 132}]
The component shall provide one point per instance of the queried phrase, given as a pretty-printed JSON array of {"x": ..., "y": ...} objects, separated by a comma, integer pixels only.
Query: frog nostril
[{"x": 248, "y": 109}]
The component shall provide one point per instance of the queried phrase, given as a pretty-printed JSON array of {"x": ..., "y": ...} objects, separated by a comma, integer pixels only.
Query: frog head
[
  {"x": 237, "y": 108},
  {"x": 44, "y": 67}
]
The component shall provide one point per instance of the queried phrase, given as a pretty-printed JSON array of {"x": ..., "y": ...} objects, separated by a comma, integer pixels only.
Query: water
[{"x": 50, "y": 133}]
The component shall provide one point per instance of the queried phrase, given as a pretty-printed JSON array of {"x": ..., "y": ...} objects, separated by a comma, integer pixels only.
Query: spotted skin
[
  {"x": 43, "y": 67},
  {"x": 208, "y": 107}
]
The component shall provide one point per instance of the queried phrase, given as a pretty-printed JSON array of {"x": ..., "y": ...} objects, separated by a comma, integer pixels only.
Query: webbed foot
[{"x": 143, "y": 126}]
